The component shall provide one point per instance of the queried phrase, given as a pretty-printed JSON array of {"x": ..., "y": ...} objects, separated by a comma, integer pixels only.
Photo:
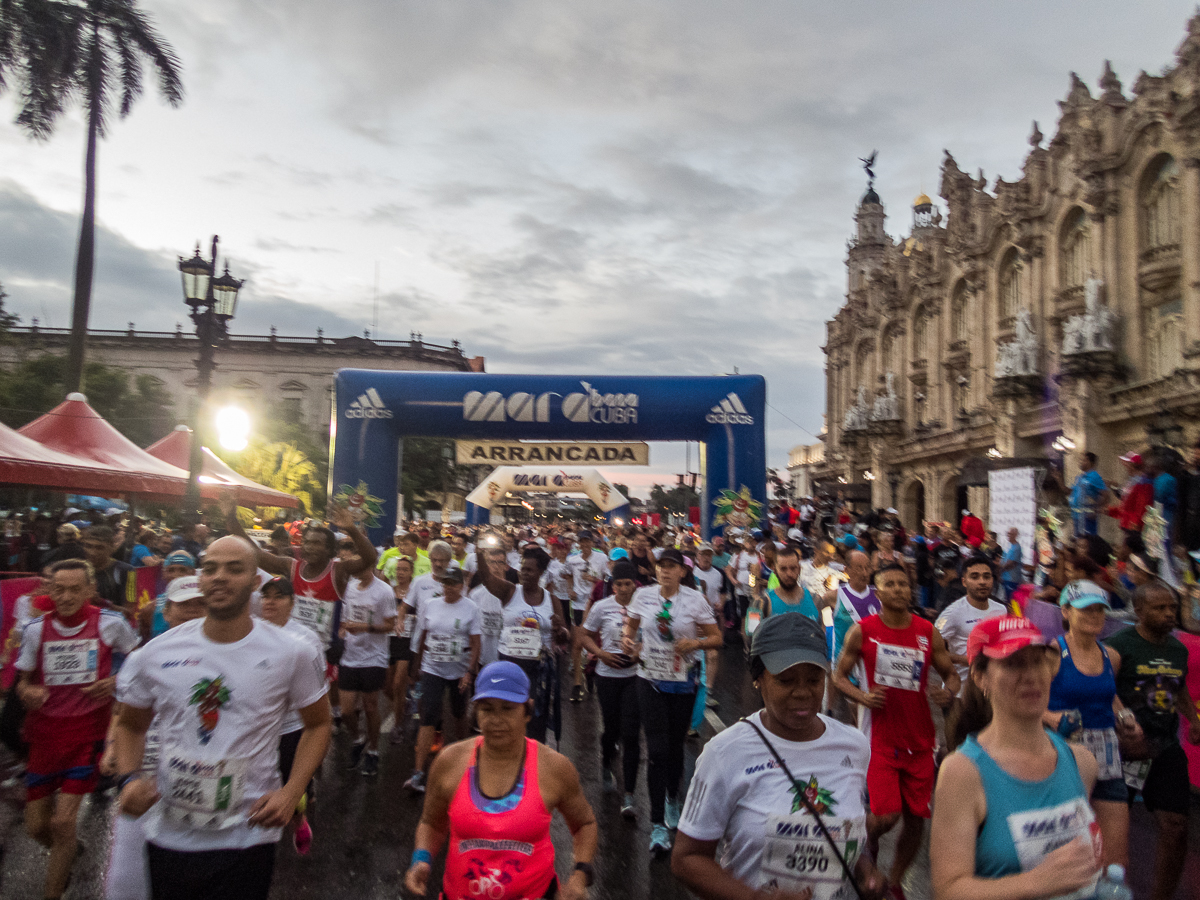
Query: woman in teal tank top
[{"x": 1020, "y": 789}]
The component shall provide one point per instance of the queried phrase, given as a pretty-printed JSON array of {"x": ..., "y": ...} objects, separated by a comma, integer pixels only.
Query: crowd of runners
[{"x": 902, "y": 678}]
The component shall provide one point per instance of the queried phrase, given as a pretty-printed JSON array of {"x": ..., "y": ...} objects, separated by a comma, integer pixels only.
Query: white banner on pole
[{"x": 1012, "y": 496}]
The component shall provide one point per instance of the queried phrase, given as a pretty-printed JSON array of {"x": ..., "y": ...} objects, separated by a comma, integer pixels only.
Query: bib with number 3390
[
  {"x": 204, "y": 794},
  {"x": 796, "y": 855}
]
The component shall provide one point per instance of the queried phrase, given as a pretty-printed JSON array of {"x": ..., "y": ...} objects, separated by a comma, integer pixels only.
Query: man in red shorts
[
  {"x": 897, "y": 649},
  {"x": 68, "y": 664}
]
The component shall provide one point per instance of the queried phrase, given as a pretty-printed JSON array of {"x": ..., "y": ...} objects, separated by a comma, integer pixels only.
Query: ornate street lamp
[{"x": 212, "y": 302}]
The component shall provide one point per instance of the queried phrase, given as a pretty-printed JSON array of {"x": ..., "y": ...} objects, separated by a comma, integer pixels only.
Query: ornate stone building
[{"x": 1061, "y": 307}]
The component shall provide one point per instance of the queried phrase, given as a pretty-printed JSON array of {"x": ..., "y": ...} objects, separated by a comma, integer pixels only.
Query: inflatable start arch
[{"x": 374, "y": 411}]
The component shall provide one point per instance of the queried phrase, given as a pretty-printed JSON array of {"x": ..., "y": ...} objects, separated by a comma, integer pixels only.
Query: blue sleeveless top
[
  {"x": 776, "y": 605},
  {"x": 1092, "y": 695},
  {"x": 1026, "y": 820}
]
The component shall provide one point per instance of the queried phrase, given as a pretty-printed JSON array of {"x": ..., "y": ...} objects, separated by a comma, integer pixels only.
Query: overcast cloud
[{"x": 623, "y": 187}]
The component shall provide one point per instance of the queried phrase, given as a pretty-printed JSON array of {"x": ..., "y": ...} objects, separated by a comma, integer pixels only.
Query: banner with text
[
  {"x": 1012, "y": 502},
  {"x": 529, "y": 453}
]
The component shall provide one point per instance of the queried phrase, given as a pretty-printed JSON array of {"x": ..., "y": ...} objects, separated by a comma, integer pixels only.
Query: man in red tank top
[
  {"x": 897, "y": 649},
  {"x": 66, "y": 682}
]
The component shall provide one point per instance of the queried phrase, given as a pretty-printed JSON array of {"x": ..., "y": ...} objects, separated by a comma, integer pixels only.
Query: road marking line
[{"x": 714, "y": 721}]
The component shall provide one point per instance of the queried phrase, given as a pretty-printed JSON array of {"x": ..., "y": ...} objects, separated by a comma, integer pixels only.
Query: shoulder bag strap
[{"x": 808, "y": 805}]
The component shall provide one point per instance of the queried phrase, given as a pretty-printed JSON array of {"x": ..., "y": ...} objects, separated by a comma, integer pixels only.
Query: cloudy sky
[{"x": 618, "y": 187}]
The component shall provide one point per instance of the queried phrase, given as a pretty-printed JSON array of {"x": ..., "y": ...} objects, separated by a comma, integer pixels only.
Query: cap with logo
[
  {"x": 789, "y": 639},
  {"x": 672, "y": 555},
  {"x": 185, "y": 588},
  {"x": 1001, "y": 637},
  {"x": 1134, "y": 459},
  {"x": 179, "y": 558},
  {"x": 502, "y": 681},
  {"x": 1083, "y": 593},
  {"x": 280, "y": 584},
  {"x": 452, "y": 575}
]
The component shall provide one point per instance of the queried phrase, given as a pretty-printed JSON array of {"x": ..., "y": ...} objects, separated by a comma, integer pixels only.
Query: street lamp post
[{"x": 212, "y": 301}]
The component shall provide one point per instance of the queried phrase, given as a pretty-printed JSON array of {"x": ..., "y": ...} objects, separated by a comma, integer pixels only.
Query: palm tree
[{"x": 56, "y": 50}]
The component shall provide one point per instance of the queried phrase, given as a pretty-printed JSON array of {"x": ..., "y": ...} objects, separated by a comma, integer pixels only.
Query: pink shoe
[{"x": 303, "y": 837}]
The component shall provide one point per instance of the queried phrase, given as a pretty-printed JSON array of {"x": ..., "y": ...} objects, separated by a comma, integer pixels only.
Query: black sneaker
[
  {"x": 356, "y": 755},
  {"x": 369, "y": 765},
  {"x": 577, "y": 694}
]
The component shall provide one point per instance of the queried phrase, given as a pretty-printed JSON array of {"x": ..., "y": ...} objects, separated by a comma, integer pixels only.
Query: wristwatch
[{"x": 588, "y": 872}]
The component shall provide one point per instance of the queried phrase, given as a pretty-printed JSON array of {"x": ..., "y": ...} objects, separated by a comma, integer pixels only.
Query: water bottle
[{"x": 1112, "y": 886}]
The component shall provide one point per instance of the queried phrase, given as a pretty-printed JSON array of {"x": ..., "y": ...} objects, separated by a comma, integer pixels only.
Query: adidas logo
[
  {"x": 730, "y": 411},
  {"x": 368, "y": 406},
  {"x": 847, "y": 763}
]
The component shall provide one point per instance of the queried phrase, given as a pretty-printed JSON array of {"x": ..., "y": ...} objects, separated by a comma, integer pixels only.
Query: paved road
[{"x": 365, "y": 827}]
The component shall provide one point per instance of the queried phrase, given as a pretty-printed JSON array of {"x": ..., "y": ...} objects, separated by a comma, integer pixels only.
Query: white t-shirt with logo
[
  {"x": 741, "y": 797},
  {"x": 742, "y": 564},
  {"x": 510, "y": 628},
  {"x": 556, "y": 580},
  {"x": 607, "y": 618},
  {"x": 709, "y": 581},
  {"x": 587, "y": 572},
  {"x": 219, "y": 710},
  {"x": 955, "y": 624},
  {"x": 422, "y": 589},
  {"x": 447, "y": 628},
  {"x": 373, "y": 604},
  {"x": 689, "y": 610}
]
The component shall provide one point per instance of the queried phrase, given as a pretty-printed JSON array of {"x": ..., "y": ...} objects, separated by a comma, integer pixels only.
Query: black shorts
[
  {"x": 399, "y": 650},
  {"x": 433, "y": 689},
  {"x": 229, "y": 874},
  {"x": 577, "y": 616},
  {"x": 1167, "y": 783},
  {"x": 364, "y": 680}
]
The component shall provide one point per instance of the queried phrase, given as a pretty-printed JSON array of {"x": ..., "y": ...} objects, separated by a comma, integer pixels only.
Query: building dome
[
  {"x": 870, "y": 197},
  {"x": 922, "y": 200}
]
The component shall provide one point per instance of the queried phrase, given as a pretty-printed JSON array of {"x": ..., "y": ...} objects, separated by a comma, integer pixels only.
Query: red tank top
[
  {"x": 318, "y": 605},
  {"x": 499, "y": 849},
  {"x": 899, "y": 660},
  {"x": 66, "y": 664}
]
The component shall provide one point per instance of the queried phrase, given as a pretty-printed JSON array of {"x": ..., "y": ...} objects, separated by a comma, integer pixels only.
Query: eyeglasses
[{"x": 345, "y": 546}]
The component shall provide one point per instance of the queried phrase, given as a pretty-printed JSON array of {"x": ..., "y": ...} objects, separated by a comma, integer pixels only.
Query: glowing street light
[{"x": 233, "y": 428}]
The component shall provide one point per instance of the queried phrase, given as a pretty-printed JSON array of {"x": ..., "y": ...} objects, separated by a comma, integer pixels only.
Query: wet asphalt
[{"x": 364, "y": 827}]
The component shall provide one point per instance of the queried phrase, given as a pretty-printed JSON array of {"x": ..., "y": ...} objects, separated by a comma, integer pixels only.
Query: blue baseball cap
[
  {"x": 179, "y": 558},
  {"x": 618, "y": 553},
  {"x": 502, "y": 681}
]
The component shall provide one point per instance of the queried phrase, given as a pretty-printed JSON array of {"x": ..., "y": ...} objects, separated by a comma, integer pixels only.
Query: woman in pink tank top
[{"x": 493, "y": 798}]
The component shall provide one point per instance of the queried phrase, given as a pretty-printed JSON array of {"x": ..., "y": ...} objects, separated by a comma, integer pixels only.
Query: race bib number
[
  {"x": 1036, "y": 833},
  {"x": 315, "y": 614},
  {"x": 1135, "y": 773},
  {"x": 521, "y": 642},
  {"x": 493, "y": 623},
  {"x": 662, "y": 663},
  {"x": 899, "y": 667},
  {"x": 358, "y": 613},
  {"x": 796, "y": 855},
  {"x": 441, "y": 648},
  {"x": 405, "y": 625},
  {"x": 1102, "y": 744},
  {"x": 204, "y": 795},
  {"x": 70, "y": 662}
]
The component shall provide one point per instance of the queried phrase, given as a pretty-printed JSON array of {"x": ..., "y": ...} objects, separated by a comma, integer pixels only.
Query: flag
[
  {"x": 142, "y": 587},
  {"x": 11, "y": 590}
]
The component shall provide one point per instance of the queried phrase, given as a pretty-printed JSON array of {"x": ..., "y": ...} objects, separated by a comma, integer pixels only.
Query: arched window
[
  {"x": 1074, "y": 258},
  {"x": 893, "y": 351},
  {"x": 921, "y": 334},
  {"x": 1010, "y": 286},
  {"x": 960, "y": 313},
  {"x": 1159, "y": 202},
  {"x": 1164, "y": 338}
]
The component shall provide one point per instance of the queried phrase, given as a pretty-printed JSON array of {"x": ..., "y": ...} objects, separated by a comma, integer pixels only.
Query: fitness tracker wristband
[
  {"x": 589, "y": 873},
  {"x": 421, "y": 856}
]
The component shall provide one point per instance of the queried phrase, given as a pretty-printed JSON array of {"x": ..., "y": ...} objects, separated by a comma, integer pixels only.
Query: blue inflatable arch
[{"x": 374, "y": 411}]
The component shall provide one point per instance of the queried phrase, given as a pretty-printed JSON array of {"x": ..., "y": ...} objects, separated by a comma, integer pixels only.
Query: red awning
[
  {"x": 76, "y": 429},
  {"x": 23, "y": 461},
  {"x": 216, "y": 476}
]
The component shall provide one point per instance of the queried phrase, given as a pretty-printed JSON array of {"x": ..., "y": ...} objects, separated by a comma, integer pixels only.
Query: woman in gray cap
[{"x": 782, "y": 790}]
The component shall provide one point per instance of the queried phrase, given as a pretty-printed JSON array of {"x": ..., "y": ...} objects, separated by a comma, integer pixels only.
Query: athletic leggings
[
  {"x": 665, "y": 720},
  {"x": 622, "y": 721}
]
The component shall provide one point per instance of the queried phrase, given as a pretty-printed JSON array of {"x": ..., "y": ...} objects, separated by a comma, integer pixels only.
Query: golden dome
[{"x": 922, "y": 200}]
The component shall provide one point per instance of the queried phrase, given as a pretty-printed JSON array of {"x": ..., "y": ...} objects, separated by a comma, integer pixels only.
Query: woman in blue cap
[{"x": 490, "y": 800}]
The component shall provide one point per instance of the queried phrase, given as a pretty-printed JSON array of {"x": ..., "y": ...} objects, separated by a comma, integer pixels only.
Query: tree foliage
[
  {"x": 427, "y": 471},
  {"x": 677, "y": 500},
  {"x": 139, "y": 407},
  {"x": 280, "y": 465}
]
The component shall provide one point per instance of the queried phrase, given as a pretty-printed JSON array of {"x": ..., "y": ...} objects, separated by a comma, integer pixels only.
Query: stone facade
[
  {"x": 294, "y": 375},
  {"x": 803, "y": 460},
  {"x": 1065, "y": 303}
]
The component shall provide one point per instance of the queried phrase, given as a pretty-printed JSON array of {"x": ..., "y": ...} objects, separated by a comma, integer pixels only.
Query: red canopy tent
[
  {"x": 174, "y": 449},
  {"x": 25, "y": 462},
  {"x": 76, "y": 429}
]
